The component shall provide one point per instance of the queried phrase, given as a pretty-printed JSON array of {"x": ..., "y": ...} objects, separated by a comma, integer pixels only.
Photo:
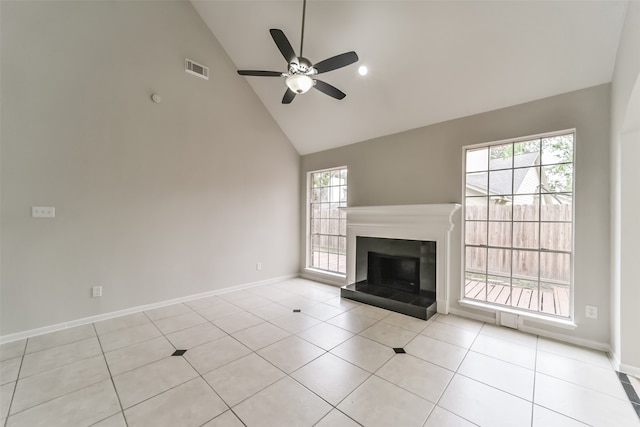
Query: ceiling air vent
[{"x": 196, "y": 69}]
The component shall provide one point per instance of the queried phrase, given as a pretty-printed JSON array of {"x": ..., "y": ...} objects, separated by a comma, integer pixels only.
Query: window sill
[
  {"x": 537, "y": 318},
  {"x": 328, "y": 277}
]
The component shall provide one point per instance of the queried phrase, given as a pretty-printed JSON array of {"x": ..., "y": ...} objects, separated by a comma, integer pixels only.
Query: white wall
[
  {"x": 425, "y": 166},
  {"x": 625, "y": 176},
  {"x": 153, "y": 201}
]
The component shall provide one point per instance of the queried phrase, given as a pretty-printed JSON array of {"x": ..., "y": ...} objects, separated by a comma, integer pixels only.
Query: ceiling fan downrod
[{"x": 304, "y": 12}]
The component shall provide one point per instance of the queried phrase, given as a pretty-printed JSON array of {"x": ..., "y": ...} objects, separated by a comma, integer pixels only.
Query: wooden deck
[
  {"x": 330, "y": 262},
  {"x": 552, "y": 301}
]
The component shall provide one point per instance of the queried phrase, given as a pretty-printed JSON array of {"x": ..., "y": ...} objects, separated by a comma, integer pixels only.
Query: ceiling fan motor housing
[{"x": 301, "y": 65}]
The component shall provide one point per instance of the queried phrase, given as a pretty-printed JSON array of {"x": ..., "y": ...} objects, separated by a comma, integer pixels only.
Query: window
[
  {"x": 518, "y": 223},
  {"x": 327, "y": 222}
]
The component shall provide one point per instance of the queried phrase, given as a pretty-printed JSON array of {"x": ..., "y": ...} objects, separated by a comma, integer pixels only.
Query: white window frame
[
  {"x": 336, "y": 276},
  {"x": 565, "y": 322}
]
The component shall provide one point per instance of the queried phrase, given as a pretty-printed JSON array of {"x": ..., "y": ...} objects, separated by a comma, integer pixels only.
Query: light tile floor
[{"x": 252, "y": 361}]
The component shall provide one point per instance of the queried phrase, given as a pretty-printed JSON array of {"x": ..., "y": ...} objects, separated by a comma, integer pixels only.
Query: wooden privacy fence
[{"x": 522, "y": 241}]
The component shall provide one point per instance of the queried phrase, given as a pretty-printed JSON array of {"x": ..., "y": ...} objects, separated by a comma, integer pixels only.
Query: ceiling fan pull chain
[{"x": 304, "y": 9}]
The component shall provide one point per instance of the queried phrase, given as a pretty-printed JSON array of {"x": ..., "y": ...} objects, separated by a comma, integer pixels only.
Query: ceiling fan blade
[
  {"x": 283, "y": 44},
  {"x": 336, "y": 62},
  {"x": 259, "y": 73},
  {"x": 326, "y": 88},
  {"x": 288, "y": 96}
]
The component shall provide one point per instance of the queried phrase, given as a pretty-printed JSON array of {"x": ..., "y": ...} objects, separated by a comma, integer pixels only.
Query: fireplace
[
  {"x": 397, "y": 274},
  {"x": 398, "y": 257}
]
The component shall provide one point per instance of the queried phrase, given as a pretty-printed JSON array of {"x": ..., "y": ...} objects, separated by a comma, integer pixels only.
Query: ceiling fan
[{"x": 299, "y": 77}]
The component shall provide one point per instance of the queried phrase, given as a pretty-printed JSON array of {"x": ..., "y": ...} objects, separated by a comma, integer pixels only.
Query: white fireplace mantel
[{"x": 410, "y": 222}]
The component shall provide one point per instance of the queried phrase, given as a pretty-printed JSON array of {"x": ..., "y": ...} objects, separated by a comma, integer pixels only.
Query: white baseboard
[
  {"x": 463, "y": 313},
  {"x": 105, "y": 316},
  {"x": 628, "y": 369},
  {"x": 582, "y": 342},
  {"x": 324, "y": 277},
  {"x": 621, "y": 367},
  {"x": 595, "y": 345}
]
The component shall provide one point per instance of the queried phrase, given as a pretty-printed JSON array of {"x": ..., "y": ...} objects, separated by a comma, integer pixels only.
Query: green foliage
[
  {"x": 558, "y": 153},
  {"x": 555, "y": 155},
  {"x": 321, "y": 179}
]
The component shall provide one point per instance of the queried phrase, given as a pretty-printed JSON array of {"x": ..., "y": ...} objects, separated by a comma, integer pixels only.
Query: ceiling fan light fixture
[{"x": 299, "y": 83}]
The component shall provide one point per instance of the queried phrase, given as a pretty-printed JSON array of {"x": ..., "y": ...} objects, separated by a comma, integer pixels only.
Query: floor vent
[
  {"x": 509, "y": 320},
  {"x": 196, "y": 69}
]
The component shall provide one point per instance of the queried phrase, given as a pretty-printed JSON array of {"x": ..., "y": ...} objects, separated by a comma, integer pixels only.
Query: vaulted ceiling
[{"x": 428, "y": 61}]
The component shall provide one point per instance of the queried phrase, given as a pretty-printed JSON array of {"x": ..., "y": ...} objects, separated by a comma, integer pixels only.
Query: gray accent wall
[
  {"x": 153, "y": 201},
  {"x": 424, "y": 166}
]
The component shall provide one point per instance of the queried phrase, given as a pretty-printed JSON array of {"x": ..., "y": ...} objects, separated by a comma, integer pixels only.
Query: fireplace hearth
[{"x": 422, "y": 306}]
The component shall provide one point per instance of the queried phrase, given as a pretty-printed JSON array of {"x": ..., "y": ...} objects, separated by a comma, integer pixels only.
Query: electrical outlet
[
  {"x": 43, "y": 212},
  {"x": 591, "y": 312},
  {"x": 96, "y": 291},
  {"x": 259, "y": 266}
]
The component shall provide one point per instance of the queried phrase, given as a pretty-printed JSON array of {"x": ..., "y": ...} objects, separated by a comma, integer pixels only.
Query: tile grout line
[
  {"x": 62, "y": 365},
  {"x": 397, "y": 385},
  {"x": 582, "y": 386},
  {"x": 447, "y": 342},
  {"x": 123, "y": 328},
  {"x": 326, "y": 351},
  {"x": 15, "y": 387},
  {"x": 199, "y": 345},
  {"x": 370, "y": 374},
  {"x": 201, "y": 376},
  {"x": 58, "y": 397},
  {"x": 286, "y": 375},
  {"x": 494, "y": 387},
  {"x": 468, "y": 350},
  {"x": 576, "y": 359},
  {"x": 333, "y": 407},
  {"x": 289, "y": 375},
  {"x": 252, "y": 352},
  {"x": 75, "y": 341},
  {"x": 533, "y": 401},
  {"x": 339, "y": 411},
  {"x": 163, "y": 335},
  {"x": 535, "y": 372},
  {"x": 113, "y": 384}
]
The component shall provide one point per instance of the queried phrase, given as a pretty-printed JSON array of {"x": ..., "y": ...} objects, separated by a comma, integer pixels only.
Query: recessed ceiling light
[{"x": 363, "y": 70}]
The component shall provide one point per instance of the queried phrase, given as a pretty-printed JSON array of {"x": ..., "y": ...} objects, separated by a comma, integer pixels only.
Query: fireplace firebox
[{"x": 393, "y": 271}]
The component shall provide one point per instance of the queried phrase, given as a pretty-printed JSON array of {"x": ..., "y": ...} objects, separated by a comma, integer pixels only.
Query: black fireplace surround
[{"x": 395, "y": 274}]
